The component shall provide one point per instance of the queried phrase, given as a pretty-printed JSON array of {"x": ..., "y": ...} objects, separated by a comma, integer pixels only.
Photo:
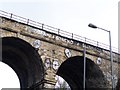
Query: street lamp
[{"x": 112, "y": 77}]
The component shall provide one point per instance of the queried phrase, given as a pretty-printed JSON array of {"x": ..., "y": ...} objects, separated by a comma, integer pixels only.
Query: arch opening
[
  {"x": 72, "y": 71},
  {"x": 118, "y": 84},
  {"x": 8, "y": 77},
  {"x": 24, "y": 60}
]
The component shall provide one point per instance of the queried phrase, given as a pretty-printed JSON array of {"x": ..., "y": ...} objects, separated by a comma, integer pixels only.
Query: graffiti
[
  {"x": 67, "y": 53},
  {"x": 47, "y": 63},
  {"x": 36, "y": 43},
  {"x": 51, "y": 64},
  {"x": 55, "y": 64},
  {"x": 99, "y": 61}
]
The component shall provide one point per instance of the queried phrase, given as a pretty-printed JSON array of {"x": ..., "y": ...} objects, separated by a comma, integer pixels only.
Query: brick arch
[
  {"x": 24, "y": 60},
  {"x": 72, "y": 71}
]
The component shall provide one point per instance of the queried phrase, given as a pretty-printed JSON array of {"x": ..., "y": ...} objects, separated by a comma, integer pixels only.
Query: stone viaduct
[{"x": 39, "y": 53}]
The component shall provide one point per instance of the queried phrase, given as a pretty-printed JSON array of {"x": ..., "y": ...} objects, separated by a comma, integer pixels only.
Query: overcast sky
[{"x": 70, "y": 15}]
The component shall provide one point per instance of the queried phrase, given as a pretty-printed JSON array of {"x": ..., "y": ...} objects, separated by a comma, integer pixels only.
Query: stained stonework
[{"x": 52, "y": 49}]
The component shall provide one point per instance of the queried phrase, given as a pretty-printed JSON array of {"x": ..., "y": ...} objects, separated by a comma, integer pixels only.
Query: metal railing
[{"x": 56, "y": 30}]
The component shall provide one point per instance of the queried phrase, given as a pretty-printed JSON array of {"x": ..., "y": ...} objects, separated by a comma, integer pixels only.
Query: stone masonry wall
[{"x": 52, "y": 49}]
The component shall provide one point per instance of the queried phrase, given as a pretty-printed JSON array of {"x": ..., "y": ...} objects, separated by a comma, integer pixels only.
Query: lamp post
[
  {"x": 112, "y": 77},
  {"x": 84, "y": 71}
]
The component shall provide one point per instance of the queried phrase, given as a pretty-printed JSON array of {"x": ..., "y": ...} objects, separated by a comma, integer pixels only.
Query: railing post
[
  {"x": 85, "y": 40},
  {"x": 97, "y": 43},
  {"x": 11, "y": 16},
  {"x": 27, "y": 21},
  {"x": 58, "y": 31},
  {"x": 42, "y": 26},
  {"x": 72, "y": 35}
]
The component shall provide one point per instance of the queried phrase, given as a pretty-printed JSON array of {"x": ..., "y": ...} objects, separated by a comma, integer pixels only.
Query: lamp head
[{"x": 92, "y": 26}]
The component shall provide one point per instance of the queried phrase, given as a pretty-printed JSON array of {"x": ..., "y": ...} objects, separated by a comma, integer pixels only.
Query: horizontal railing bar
[{"x": 55, "y": 30}]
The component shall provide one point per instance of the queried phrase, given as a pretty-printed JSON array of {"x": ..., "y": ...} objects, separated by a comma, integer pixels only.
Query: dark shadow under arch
[
  {"x": 24, "y": 60},
  {"x": 118, "y": 84},
  {"x": 72, "y": 71}
]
